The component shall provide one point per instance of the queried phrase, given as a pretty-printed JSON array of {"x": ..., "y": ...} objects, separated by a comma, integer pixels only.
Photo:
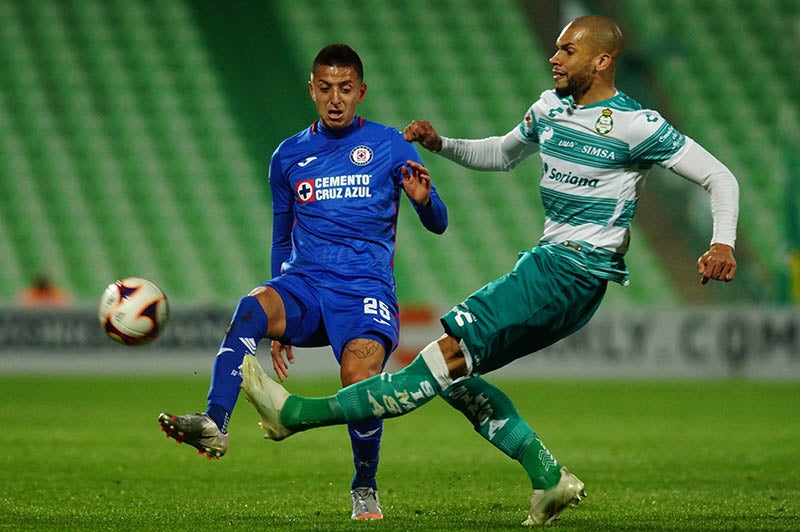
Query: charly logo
[
  {"x": 604, "y": 123},
  {"x": 361, "y": 155}
]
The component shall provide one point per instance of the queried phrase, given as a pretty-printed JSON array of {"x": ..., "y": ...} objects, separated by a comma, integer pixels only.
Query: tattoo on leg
[{"x": 363, "y": 348}]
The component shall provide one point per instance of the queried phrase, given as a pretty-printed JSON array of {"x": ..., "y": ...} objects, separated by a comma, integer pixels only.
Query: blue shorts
[
  {"x": 542, "y": 300},
  {"x": 334, "y": 313}
]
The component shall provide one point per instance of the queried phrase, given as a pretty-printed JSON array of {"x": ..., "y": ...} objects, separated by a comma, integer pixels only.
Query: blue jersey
[{"x": 335, "y": 202}]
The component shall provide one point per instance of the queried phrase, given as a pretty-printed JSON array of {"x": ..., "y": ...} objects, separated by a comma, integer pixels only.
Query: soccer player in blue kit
[
  {"x": 336, "y": 188},
  {"x": 597, "y": 145}
]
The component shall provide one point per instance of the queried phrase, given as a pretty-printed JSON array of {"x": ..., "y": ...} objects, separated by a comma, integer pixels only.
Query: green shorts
[{"x": 542, "y": 300}]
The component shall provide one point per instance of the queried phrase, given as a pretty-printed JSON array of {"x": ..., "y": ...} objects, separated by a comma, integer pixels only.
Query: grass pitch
[{"x": 85, "y": 453}]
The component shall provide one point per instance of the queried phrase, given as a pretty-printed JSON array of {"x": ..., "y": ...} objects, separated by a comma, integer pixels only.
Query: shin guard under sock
[
  {"x": 496, "y": 419},
  {"x": 382, "y": 396},
  {"x": 248, "y": 326},
  {"x": 365, "y": 439}
]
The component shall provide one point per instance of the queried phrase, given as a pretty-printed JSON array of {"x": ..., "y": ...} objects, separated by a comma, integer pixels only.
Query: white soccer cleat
[
  {"x": 267, "y": 396},
  {"x": 366, "y": 505},
  {"x": 547, "y": 505}
]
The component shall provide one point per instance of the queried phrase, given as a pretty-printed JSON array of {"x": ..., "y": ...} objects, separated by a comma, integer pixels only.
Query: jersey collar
[
  {"x": 601, "y": 103},
  {"x": 317, "y": 127}
]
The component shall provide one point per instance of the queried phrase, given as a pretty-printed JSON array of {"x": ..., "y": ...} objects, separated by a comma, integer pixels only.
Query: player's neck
[
  {"x": 596, "y": 93},
  {"x": 338, "y": 132}
]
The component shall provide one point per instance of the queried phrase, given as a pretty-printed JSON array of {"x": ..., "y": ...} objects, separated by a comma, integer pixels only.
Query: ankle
[{"x": 220, "y": 416}]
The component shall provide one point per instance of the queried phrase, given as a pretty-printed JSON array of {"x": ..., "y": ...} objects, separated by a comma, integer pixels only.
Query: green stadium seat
[
  {"x": 733, "y": 53},
  {"x": 113, "y": 116}
]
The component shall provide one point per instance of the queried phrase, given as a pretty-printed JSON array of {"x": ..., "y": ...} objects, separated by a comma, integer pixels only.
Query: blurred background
[{"x": 135, "y": 138}]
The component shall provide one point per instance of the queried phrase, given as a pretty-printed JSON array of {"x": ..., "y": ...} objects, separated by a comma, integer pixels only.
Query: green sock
[
  {"x": 382, "y": 396},
  {"x": 497, "y": 420},
  {"x": 541, "y": 466},
  {"x": 302, "y": 413}
]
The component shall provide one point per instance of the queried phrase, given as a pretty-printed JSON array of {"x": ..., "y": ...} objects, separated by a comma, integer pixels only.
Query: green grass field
[{"x": 85, "y": 453}]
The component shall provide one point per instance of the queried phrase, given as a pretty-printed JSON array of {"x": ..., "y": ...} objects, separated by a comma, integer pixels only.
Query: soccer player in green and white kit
[{"x": 597, "y": 145}]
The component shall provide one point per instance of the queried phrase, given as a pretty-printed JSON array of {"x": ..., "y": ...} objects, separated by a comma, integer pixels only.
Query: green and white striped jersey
[{"x": 595, "y": 160}]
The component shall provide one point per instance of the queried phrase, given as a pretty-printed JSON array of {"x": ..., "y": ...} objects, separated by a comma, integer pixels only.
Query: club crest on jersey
[
  {"x": 604, "y": 123},
  {"x": 305, "y": 190},
  {"x": 361, "y": 155}
]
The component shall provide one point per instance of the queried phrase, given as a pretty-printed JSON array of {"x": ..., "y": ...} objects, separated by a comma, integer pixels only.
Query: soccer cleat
[
  {"x": 366, "y": 504},
  {"x": 198, "y": 430},
  {"x": 266, "y": 395},
  {"x": 547, "y": 505}
]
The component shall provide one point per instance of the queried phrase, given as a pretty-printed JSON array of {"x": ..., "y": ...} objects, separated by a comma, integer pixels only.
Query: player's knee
[
  {"x": 357, "y": 373},
  {"x": 272, "y": 305},
  {"x": 352, "y": 377},
  {"x": 458, "y": 364},
  {"x": 266, "y": 296}
]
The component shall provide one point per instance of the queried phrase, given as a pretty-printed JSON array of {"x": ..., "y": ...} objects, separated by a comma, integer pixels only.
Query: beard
[
  {"x": 577, "y": 85},
  {"x": 563, "y": 92}
]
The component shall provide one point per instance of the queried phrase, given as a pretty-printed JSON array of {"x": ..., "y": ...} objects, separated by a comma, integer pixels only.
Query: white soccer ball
[{"x": 133, "y": 311}]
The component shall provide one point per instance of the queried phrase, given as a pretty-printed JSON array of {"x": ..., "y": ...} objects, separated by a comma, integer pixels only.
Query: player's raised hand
[
  {"x": 279, "y": 364},
  {"x": 717, "y": 263},
  {"x": 417, "y": 182},
  {"x": 422, "y": 131}
]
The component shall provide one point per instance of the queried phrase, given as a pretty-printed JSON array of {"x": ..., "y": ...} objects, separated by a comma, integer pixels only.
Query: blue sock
[
  {"x": 248, "y": 326},
  {"x": 365, "y": 438}
]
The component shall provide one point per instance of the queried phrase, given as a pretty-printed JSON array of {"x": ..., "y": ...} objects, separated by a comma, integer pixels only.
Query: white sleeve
[
  {"x": 699, "y": 166},
  {"x": 492, "y": 153}
]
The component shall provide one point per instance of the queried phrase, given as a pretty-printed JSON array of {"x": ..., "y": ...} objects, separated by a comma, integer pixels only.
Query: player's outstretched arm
[
  {"x": 496, "y": 153},
  {"x": 717, "y": 263}
]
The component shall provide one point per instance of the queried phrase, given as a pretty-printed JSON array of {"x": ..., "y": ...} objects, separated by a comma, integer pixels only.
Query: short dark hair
[{"x": 341, "y": 55}]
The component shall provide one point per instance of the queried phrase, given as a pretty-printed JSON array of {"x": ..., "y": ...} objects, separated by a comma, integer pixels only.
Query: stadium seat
[{"x": 123, "y": 152}]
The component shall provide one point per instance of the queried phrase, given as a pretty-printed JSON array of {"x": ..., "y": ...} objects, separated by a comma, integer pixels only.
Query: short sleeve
[{"x": 653, "y": 139}]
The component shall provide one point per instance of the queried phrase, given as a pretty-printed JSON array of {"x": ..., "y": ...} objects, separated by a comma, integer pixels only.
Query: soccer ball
[{"x": 133, "y": 311}]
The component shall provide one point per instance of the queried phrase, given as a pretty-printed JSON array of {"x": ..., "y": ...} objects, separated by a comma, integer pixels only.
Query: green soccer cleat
[
  {"x": 366, "y": 505},
  {"x": 547, "y": 505},
  {"x": 267, "y": 396},
  {"x": 198, "y": 430}
]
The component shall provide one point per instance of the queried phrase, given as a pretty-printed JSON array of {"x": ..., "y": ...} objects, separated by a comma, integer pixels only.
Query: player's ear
[
  {"x": 362, "y": 92},
  {"x": 311, "y": 92},
  {"x": 602, "y": 62}
]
